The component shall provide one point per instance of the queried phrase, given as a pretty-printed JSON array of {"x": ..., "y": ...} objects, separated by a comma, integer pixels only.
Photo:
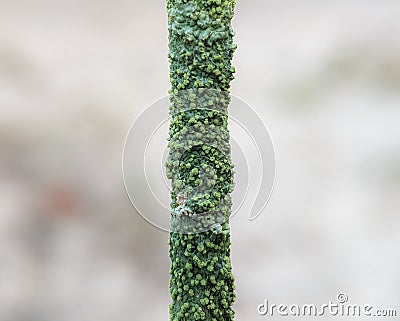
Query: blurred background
[{"x": 324, "y": 76}]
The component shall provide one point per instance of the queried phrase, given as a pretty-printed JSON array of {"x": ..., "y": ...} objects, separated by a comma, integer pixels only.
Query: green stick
[{"x": 199, "y": 163}]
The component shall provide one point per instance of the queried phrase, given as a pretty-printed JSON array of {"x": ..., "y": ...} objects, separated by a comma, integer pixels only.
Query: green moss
[{"x": 199, "y": 162}]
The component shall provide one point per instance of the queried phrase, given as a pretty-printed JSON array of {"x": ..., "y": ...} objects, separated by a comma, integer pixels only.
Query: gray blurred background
[{"x": 324, "y": 76}]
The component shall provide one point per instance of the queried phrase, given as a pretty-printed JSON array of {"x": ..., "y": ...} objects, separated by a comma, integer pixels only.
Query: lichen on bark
[{"x": 199, "y": 162}]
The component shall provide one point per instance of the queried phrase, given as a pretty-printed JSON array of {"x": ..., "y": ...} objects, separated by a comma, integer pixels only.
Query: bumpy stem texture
[{"x": 199, "y": 161}]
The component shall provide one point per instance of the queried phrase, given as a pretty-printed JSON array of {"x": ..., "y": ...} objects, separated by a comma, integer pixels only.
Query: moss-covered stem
[{"x": 199, "y": 163}]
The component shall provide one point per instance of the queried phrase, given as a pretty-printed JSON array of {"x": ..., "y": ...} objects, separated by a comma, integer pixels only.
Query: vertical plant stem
[{"x": 200, "y": 52}]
